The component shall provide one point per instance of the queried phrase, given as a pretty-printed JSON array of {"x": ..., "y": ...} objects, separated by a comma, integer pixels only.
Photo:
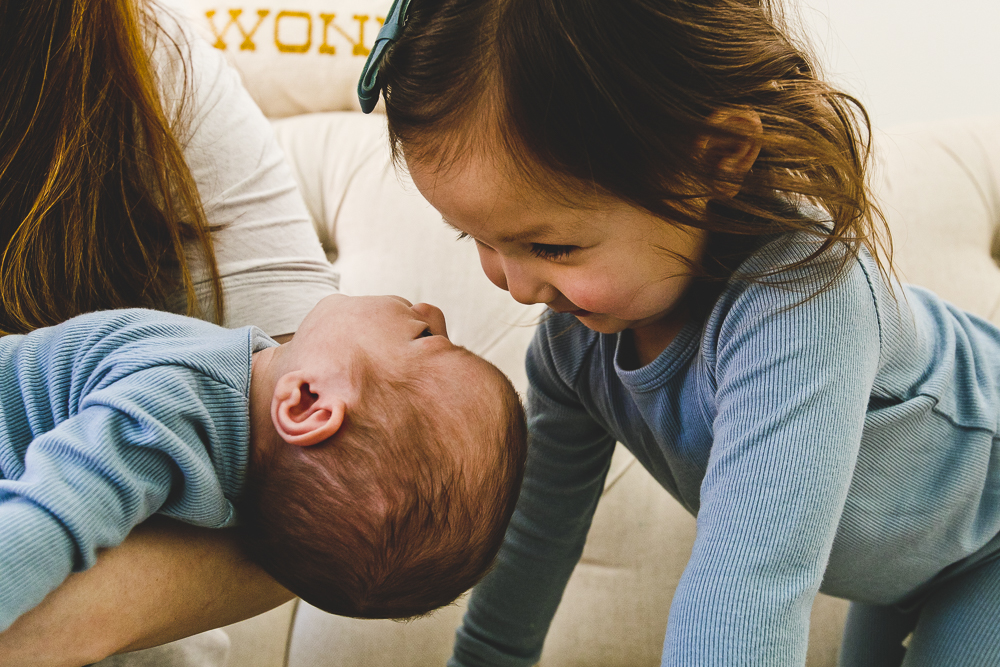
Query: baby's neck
[{"x": 262, "y": 380}]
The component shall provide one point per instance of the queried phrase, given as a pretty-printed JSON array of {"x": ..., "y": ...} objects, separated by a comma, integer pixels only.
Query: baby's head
[{"x": 386, "y": 461}]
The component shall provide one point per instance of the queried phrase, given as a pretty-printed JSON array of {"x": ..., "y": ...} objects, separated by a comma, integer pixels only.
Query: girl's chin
[{"x": 599, "y": 322}]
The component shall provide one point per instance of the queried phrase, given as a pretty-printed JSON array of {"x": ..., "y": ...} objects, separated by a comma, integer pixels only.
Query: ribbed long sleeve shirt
[
  {"x": 844, "y": 443},
  {"x": 105, "y": 420}
]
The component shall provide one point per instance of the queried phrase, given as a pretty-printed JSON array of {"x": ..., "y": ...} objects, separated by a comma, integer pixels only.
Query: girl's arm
[
  {"x": 792, "y": 387},
  {"x": 166, "y": 581},
  {"x": 568, "y": 458}
]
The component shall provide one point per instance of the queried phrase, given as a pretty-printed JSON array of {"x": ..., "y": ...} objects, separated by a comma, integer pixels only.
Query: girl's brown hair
[
  {"x": 611, "y": 96},
  {"x": 96, "y": 199}
]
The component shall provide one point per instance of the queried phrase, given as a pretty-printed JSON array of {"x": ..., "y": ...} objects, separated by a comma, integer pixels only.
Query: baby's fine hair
[
  {"x": 609, "y": 97},
  {"x": 401, "y": 511}
]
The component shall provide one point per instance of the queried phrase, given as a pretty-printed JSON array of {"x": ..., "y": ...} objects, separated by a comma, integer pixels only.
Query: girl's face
[{"x": 613, "y": 266}]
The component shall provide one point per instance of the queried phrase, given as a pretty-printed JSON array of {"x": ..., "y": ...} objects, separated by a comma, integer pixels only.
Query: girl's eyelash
[
  {"x": 544, "y": 251},
  {"x": 541, "y": 250}
]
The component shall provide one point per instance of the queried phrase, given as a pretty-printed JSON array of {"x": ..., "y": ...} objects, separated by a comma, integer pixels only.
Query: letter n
[{"x": 358, "y": 46}]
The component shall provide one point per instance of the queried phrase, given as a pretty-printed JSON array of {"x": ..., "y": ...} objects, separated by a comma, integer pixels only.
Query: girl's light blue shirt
[{"x": 844, "y": 442}]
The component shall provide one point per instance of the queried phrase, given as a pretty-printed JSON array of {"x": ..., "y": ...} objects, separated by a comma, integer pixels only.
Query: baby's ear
[
  {"x": 730, "y": 154},
  {"x": 303, "y": 415}
]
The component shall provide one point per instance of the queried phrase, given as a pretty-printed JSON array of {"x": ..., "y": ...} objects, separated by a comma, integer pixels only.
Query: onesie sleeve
[
  {"x": 793, "y": 380},
  {"x": 568, "y": 458},
  {"x": 139, "y": 447},
  {"x": 272, "y": 266}
]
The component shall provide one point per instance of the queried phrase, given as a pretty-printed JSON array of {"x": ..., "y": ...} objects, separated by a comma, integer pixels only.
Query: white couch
[{"x": 940, "y": 189}]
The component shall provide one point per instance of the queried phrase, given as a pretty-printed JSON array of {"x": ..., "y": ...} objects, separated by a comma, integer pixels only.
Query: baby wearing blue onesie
[{"x": 329, "y": 456}]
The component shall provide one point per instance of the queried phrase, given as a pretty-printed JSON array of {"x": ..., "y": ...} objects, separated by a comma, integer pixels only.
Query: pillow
[{"x": 295, "y": 56}]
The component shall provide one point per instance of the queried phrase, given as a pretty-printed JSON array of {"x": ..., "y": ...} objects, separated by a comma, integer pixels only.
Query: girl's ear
[
  {"x": 301, "y": 414},
  {"x": 730, "y": 153}
]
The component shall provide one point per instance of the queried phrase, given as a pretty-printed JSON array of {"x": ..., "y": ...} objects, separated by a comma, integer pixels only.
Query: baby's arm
[
  {"x": 89, "y": 481},
  {"x": 68, "y": 504},
  {"x": 568, "y": 458}
]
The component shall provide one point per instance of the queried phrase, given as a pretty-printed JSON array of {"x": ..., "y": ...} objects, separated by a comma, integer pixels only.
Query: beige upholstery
[{"x": 939, "y": 186}]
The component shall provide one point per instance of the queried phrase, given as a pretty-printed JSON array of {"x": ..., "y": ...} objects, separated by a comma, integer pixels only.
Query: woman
[{"x": 136, "y": 171}]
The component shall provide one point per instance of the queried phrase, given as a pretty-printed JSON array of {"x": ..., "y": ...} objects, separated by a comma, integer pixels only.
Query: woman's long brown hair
[
  {"x": 609, "y": 96},
  {"x": 96, "y": 199}
]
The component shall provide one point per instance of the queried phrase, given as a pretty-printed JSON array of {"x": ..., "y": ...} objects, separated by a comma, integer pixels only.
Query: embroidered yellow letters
[
  {"x": 358, "y": 46},
  {"x": 288, "y": 31},
  {"x": 234, "y": 19},
  {"x": 293, "y": 48}
]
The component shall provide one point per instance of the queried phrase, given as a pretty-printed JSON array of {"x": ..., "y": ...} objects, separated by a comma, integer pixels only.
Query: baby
[{"x": 370, "y": 465}]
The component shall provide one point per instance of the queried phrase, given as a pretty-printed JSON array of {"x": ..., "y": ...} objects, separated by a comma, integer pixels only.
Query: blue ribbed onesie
[
  {"x": 845, "y": 443},
  {"x": 105, "y": 420}
]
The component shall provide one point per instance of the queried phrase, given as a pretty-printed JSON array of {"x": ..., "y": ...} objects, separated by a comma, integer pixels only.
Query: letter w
[{"x": 234, "y": 16}]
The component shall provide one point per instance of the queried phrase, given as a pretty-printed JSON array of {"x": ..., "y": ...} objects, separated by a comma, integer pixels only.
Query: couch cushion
[
  {"x": 295, "y": 56},
  {"x": 939, "y": 185}
]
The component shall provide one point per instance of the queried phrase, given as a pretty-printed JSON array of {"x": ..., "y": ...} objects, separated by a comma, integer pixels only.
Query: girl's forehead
[
  {"x": 471, "y": 173},
  {"x": 475, "y": 187}
]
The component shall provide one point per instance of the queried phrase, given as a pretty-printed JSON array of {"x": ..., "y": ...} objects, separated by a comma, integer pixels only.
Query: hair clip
[{"x": 368, "y": 88}]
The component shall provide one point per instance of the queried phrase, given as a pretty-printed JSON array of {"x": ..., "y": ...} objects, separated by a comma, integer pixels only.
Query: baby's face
[{"x": 393, "y": 333}]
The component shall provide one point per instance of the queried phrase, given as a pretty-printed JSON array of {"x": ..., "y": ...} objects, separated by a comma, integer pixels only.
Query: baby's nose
[
  {"x": 399, "y": 298},
  {"x": 434, "y": 318}
]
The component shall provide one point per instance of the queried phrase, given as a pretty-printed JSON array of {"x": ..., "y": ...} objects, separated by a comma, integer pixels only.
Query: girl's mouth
[{"x": 579, "y": 312}]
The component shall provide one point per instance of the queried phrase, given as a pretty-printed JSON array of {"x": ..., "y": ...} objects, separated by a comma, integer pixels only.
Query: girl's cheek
[{"x": 597, "y": 295}]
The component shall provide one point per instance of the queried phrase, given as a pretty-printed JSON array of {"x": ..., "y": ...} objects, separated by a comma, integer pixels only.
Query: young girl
[{"x": 672, "y": 175}]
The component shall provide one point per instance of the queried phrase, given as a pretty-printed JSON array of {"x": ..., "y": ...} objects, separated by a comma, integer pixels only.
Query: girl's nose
[{"x": 525, "y": 285}]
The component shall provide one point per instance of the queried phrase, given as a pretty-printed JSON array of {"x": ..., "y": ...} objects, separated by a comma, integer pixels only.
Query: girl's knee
[{"x": 958, "y": 624}]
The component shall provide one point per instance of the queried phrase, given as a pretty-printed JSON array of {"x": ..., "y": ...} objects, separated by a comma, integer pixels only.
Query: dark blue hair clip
[{"x": 368, "y": 87}]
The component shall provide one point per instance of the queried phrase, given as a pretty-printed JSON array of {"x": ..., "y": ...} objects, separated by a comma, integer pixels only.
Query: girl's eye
[
  {"x": 426, "y": 333},
  {"x": 545, "y": 251},
  {"x": 479, "y": 244}
]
